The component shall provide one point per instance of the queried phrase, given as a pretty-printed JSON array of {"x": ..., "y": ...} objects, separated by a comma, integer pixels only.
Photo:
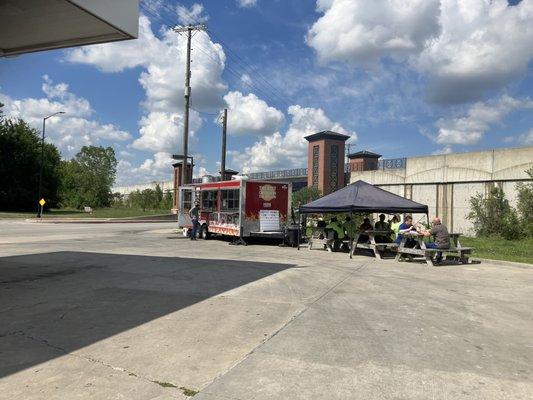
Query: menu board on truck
[{"x": 269, "y": 220}]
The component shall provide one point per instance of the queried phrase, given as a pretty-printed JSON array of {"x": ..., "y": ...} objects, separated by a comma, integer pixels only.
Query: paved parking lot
[{"x": 131, "y": 311}]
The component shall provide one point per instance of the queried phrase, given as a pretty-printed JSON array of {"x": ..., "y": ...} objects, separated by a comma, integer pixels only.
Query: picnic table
[
  {"x": 420, "y": 248},
  {"x": 377, "y": 247}
]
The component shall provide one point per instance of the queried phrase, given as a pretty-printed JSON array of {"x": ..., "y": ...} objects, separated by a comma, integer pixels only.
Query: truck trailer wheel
[{"x": 204, "y": 233}]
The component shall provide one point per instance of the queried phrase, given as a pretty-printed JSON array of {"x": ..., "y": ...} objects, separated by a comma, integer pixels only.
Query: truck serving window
[
  {"x": 230, "y": 200},
  {"x": 209, "y": 200}
]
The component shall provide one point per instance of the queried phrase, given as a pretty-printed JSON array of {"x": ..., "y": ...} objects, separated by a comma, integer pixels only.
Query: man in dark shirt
[
  {"x": 194, "y": 213},
  {"x": 441, "y": 235}
]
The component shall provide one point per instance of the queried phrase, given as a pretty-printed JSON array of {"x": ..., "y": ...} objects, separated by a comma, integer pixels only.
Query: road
[{"x": 133, "y": 311}]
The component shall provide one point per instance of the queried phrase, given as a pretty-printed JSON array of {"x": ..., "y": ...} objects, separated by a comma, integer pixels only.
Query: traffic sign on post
[{"x": 42, "y": 202}]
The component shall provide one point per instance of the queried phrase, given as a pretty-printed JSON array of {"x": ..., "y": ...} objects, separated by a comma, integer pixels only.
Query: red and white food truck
[{"x": 239, "y": 208}]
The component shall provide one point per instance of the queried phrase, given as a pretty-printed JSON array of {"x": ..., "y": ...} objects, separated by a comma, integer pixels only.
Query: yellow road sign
[{"x": 42, "y": 202}]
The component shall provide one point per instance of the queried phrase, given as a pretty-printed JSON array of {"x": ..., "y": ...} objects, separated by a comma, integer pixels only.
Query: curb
[
  {"x": 96, "y": 221},
  {"x": 501, "y": 262}
]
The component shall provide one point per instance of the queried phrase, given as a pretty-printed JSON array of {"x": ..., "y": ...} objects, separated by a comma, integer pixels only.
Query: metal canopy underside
[{"x": 35, "y": 25}]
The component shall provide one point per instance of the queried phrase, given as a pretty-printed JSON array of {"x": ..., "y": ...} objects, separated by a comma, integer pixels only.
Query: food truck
[{"x": 239, "y": 208}]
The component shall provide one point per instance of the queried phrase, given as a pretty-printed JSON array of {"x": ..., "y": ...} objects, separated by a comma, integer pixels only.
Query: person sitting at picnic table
[
  {"x": 338, "y": 230},
  {"x": 395, "y": 225},
  {"x": 365, "y": 226},
  {"x": 381, "y": 225},
  {"x": 442, "y": 237},
  {"x": 407, "y": 226},
  {"x": 350, "y": 227}
]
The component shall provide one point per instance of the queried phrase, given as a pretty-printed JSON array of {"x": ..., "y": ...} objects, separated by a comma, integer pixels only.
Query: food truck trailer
[{"x": 239, "y": 208}]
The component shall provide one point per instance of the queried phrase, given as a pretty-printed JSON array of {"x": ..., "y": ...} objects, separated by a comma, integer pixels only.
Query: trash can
[{"x": 292, "y": 235}]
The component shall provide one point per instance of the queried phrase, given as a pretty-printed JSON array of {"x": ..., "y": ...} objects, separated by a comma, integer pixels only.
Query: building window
[
  {"x": 209, "y": 200},
  {"x": 315, "y": 166},
  {"x": 230, "y": 200},
  {"x": 334, "y": 168}
]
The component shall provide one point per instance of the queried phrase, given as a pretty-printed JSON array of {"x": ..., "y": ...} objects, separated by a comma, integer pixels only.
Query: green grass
[
  {"x": 97, "y": 213},
  {"x": 500, "y": 249}
]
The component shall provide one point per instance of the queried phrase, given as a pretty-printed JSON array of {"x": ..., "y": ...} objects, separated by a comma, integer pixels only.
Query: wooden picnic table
[
  {"x": 378, "y": 248},
  {"x": 420, "y": 248}
]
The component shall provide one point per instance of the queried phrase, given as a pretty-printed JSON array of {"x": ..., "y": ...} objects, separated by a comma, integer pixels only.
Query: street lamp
[{"x": 40, "y": 209}]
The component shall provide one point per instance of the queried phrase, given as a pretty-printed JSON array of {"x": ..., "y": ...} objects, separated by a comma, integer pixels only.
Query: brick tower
[{"x": 325, "y": 161}]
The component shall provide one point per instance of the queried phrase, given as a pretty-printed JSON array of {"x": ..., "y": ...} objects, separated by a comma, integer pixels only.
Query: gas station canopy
[{"x": 35, "y": 25}]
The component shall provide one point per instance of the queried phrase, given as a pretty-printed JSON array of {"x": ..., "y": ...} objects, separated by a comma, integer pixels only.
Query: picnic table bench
[
  {"x": 378, "y": 248},
  {"x": 420, "y": 248}
]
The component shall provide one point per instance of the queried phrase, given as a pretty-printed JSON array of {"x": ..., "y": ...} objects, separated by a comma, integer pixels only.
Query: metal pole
[
  {"x": 40, "y": 208},
  {"x": 184, "y": 174},
  {"x": 223, "y": 158}
]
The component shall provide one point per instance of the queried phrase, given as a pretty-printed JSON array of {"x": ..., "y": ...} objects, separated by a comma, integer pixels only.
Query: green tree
[
  {"x": 304, "y": 196},
  {"x": 493, "y": 216},
  {"x": 20, "y": 160},
  {"x": 158, "y": 195},
  {"x": 88, "y": 177},
  {"x": 525, "y": 204}
]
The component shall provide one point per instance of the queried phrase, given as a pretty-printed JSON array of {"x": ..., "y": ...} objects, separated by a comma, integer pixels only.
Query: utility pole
[
  {"x": 223, "y": 158},
  {"x": 189, "y": 29}
]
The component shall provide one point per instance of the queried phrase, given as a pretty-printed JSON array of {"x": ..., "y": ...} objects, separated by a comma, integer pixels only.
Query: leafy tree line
[
  {"x": 147, "y": 199},
  {"x": 85, "y": 180},
  {"x": 494, "y": 216}
]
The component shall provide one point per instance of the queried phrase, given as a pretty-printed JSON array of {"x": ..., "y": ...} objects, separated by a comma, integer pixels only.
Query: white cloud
[
  {"x": 193, "y": 15},
  {"x": 158, "y": 168},
  {"x": 246, "y": 3},
  {"x": 288, "y": 150},
  {"x": 470, "y": 129},
  {"x": 162, "y": 60},
  {"x": 464, "y": 47},
  {"x": 251, "y": 115},
  {"x": 163, "y": 131},
  {"x": 527, "y": 138},
  {"x": 69, "y": 131},
  {"x": 482, "y": 45},
  {"x": 359, "y": 33}
]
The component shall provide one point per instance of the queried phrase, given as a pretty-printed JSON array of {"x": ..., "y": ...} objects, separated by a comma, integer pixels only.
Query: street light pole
[{"x": 40, "y": 209}]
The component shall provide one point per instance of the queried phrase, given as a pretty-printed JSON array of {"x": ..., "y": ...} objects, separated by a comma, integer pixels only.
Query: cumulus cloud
[
  {"x": 464, "y": 47},
  {"x": 246, "y": 3},
  {"x": 471, "y": 128},
  {"x": 287, "y": 150},
  {"x": 249, "y": 115},
  {"x": 193, "y": 15},
  {"x": 153, "y": 169},
  {"x": 161, "y": 126},
  {"x": 353, "y": 31},
  {"x": 163, "y": 131},
  {"x": 482, "y": 45},
  {"x": 526, "y": 138},
  {"x": 69, "y": 131}
]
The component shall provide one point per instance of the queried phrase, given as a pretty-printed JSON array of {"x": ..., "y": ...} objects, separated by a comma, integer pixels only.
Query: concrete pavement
[{"x": 134, "y": 312}]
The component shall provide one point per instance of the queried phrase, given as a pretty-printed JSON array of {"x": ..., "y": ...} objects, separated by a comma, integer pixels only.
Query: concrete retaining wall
[{"x": 447, "y": 182}]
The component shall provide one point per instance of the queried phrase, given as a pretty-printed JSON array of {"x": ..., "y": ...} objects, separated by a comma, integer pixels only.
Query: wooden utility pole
[
  {"x": 223, "y": 158},
  {"x": 189, "y": 29}
]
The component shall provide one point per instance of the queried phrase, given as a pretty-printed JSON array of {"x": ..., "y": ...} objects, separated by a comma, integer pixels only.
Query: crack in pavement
[
  {"x": 89, "y": 359},
  {"x": 285, "y": 325}
]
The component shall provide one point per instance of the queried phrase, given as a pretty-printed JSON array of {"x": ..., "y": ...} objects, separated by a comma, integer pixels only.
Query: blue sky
[{"x": 401, "y": 78}]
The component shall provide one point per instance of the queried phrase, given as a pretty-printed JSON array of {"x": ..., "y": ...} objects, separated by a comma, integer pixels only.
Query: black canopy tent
[{"x": 362, "y": 197}]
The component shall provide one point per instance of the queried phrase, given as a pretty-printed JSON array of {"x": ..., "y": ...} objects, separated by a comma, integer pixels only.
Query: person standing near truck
[{"x": 194, "y": 213}]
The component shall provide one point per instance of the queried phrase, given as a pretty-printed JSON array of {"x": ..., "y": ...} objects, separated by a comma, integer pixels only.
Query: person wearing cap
[{"x": 194, "y": 213}]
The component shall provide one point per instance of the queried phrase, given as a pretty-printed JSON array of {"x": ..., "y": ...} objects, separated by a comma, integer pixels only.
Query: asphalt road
[{"x": 120, "y": 311}]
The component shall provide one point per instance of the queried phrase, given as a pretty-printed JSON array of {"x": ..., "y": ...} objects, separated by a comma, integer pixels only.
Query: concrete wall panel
[{"x": 462, "y": 192}]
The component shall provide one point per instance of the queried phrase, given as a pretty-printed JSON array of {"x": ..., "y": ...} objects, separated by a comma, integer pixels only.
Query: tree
[
  {"x": 493, "y": 216},
  {"x": 20, "y": 160},
  {"x": 88, "y": 177},
  {"x": 305, "y": 195},
  {"x": 525, "y": 203}
]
